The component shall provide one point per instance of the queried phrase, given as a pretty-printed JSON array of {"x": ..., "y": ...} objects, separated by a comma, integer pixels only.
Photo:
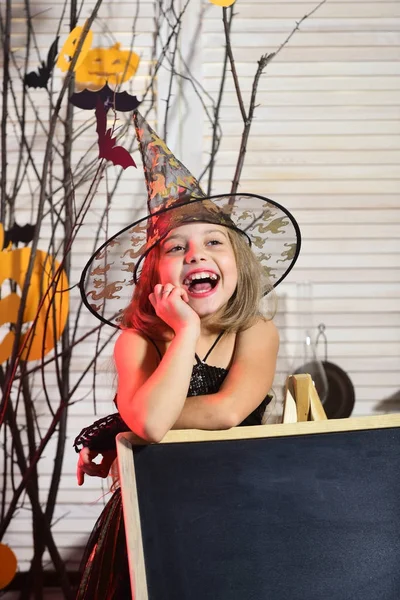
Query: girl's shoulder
[
  {"x": 132, "y": 346},
  {"x": 130, "y": 336},
  {"x": 262, "y": 334}
]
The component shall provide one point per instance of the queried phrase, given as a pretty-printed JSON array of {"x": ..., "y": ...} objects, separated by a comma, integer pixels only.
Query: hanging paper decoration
[
  {"x": 41, "y": 78},
  {"x": 52, "y": 315},
  {"x": 70, "y": 45},
  {"x": 122, "y": 101},
  {"x": 224, "y": 3},
  {"x": 97, "y": 66},
  {"x": 112, "y": 65},
  {"x": 8, "y": 562},
  {"x": 107, "y": 148},
  {"x": 17, "y": 235}
]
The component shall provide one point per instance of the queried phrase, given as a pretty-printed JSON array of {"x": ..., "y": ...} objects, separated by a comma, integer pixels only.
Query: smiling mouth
[{"x": 201, "y": 283}]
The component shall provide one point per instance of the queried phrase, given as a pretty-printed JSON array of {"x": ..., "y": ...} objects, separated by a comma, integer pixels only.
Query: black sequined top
[{"x": 205, "y": 379}]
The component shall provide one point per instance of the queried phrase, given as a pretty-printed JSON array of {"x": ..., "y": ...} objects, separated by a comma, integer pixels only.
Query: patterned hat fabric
[{"x": 175, "y": 198}]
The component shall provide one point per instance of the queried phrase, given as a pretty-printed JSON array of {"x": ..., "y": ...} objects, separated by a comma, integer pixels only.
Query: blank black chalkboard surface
[{"x": 305, "y": 511}]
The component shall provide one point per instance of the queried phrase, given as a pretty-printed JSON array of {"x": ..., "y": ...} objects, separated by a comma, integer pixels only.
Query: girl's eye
[
  {"x": 214, "y": 242},
  {"x": 174, "y": 249}
]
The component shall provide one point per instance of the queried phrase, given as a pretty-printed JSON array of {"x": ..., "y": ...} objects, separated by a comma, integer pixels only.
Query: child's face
[{"x": 199, "y": 258}]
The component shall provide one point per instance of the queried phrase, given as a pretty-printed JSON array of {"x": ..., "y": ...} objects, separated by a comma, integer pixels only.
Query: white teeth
[{"x": 200, "y": 275}]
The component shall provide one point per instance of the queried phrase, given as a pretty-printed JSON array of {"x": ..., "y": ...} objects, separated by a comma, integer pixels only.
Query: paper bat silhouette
[
  {"x": 18, "y": 234},
  {"x": 117, "y": 100},
  {"x": 41, "y": 79},
  {"x": 107, "y": 148}
]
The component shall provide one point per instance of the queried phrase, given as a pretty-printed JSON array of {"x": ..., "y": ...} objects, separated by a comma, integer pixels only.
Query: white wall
[{"x": 325, "y": 142}]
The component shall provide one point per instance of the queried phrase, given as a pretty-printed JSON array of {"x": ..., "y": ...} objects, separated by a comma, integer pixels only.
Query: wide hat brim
[{"x": 109, "y": 277}]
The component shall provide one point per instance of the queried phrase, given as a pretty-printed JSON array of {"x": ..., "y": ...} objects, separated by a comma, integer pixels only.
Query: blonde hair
[{"x": 241, "y": 311}]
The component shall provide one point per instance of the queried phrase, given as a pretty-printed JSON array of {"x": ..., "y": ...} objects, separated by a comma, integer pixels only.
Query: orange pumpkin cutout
[
  {"x": 52, "y": 315},
  {"x": 223, "y": 3},
  {"x": 107, "y": 65},
  {"x": 68, "y": 50},
  {"x": 8, "y": 562}
]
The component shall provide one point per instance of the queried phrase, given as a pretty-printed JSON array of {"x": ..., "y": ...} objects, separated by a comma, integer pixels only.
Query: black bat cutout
[
  {"x": 18, "y": 234},
  {"x": 121, "y": 101},
  {"x": 41, "y": 79}
]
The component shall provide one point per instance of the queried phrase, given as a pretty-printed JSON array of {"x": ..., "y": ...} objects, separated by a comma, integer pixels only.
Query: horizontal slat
[
  {"x": 47, "y": 10},
  {"x": 345, "y": 335},
  {"x": 299, "y": 70},
  {"x": 315, "y": 172},
  {"x": 72, "y": 554},
  {"x": 350, "y": 349},
  {"x": 44, "y": 23},
  {"x": 259, "y": 25},
  {"x": 335, "y": 217},
  {"x": 317, "y": 128},
  {"x": 326, "y": 142},
  {"x": 305, "y": 39},
  {"x": 270, "y": 186},
  {"x": 309, "y": 157},
  {"x": 341, "y": 276},
  {"x": 320, "y": 97},
  {"x": 325, "y": 54},
  {"x": 296, "y": 9}
]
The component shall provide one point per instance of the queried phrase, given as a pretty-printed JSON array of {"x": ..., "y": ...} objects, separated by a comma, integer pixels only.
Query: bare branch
[{"x": 227, "y": 26}]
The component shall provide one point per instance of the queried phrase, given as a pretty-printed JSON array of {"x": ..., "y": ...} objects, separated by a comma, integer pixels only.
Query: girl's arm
[
  {"x": 151, "y": 396},
  {"x": 249, "y": 380},
  {"x": 246, "y": 385},
  {"x": 160, "y": 392}
]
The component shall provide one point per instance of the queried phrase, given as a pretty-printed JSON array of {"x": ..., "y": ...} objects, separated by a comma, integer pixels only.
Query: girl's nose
[{"x": 194, "y": 254}]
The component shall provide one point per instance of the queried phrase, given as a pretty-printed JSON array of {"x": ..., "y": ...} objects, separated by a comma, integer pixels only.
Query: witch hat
[{"x": 174, "y": 198}]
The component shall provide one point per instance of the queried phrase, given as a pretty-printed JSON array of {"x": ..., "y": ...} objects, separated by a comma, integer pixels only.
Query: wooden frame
[
  {"x": 301, "y": 402},
  {"x": 309, "y": 408}
]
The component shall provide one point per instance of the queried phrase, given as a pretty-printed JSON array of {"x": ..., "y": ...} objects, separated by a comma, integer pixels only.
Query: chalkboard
[{"x": 297, "y": 516}]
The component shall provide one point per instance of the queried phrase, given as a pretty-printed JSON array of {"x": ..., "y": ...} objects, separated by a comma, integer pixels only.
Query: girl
[{"x": 197, "y": 296}]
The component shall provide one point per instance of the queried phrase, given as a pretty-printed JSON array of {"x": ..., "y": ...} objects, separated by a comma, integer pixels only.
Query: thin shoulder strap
[
  {"x": 155, "y": 346},
  {"x": 213, "y": 346}
]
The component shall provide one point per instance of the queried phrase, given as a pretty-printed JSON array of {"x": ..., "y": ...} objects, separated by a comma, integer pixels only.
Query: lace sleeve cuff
[{"x": 101, "y": 435}]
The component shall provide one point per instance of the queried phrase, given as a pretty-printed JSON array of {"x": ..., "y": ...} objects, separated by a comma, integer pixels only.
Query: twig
[
  {"x": 217, "y": 133},
  {"x": 291, "y": 34},
  {"x": 248, "y": 118},
  {"x": 6, "y": 36},
  {"x": 232, "y": 61},
  {"x": 42, "y": 197}
]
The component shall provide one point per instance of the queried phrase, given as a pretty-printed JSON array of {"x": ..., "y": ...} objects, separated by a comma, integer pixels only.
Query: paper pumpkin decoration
[
  {"x": 107, "y": 65},
  {"x": 52, "y": 314},
  {"x": 223, "y": 3},
  {"x": 8, "y": 562},
  {"x": 68, "y": 50}
]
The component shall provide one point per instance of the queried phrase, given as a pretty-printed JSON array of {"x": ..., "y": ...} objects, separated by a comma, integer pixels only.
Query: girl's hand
[
  {"x": 86, "y": 464},
  {"x": 171, "y": 305}
]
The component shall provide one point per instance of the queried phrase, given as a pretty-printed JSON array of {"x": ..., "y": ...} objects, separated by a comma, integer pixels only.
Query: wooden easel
[{"x": 301, "y": 402}]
